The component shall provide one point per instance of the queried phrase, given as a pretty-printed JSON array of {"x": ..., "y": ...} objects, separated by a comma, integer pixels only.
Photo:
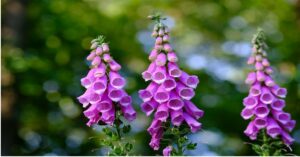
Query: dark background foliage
[{"x": 45, "y": 42}]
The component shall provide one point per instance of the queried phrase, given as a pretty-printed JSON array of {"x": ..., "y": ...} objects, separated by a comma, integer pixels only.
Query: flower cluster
[
  {"x": 264, "y": 104},
  {"x": 170, "y": 91},
  {"x": 104, "y": 93}
]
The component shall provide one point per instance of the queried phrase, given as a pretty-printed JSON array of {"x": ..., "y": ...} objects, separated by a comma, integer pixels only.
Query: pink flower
[
  {"x": 169, "y": 93},
  {"x": 104, "y": 88},
  {"x": 264, "y": 104}
]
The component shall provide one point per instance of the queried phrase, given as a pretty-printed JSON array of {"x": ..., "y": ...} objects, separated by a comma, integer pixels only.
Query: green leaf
[
  {"x": 126, "y": 129},
  {"x": 191, "y": 146},
  {"x": 114, "y": 137},
  {"x": 277, "y": 153},
  {"x": 256, "y": 148},
  {"x": 182, "y": 140},
  {"x": 118, "y": 150},
  {"x": 128, "y": 147}
]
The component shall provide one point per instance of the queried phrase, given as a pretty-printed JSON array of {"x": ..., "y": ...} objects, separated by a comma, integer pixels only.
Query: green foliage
[
  {"x": 268, "y": 146},
  {"x": 115, "y": 137}
]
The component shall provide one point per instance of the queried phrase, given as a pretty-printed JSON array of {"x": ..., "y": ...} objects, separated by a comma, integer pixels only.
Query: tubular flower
[
  {"x": 104, "y": 85},
  {"x": 264, "y": 104},
  {"x": 168, "y": 95}
]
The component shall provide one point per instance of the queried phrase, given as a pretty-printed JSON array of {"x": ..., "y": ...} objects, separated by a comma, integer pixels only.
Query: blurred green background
[{"x": 45, "y": 42}]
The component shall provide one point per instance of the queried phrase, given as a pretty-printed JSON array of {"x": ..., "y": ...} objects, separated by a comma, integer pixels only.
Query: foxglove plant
[
  {"x": 106, "y": 101},
  {"x": 168, "y": 96},
  {"x": 264, "y": 104}
]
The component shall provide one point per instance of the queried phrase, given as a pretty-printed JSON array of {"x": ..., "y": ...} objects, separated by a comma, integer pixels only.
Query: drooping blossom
[
  {"x": 169, "y": 93},
  {"x": 104, "y": 85},
  {"x": 167, "y": 151},
  {"x": 265, "y": 102}
]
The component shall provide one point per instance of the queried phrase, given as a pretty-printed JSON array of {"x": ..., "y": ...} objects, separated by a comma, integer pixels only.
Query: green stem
[
  {"x": 179, "y": 146},
  {"x": 265, "y": 152}
]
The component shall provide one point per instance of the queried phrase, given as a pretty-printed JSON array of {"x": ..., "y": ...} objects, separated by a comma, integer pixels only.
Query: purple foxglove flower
[
  {"x": 91, "y": 56},
  {"x": 251, "y": 131},
  {"x": 161, "y": 95},
  {"x": 265, "y": 62},
  {"x": 278, "y": 104},
  {"x": 167, "y": 47},
  {"x": 153, "y": 55},
  {"x": 260, "y": 123},
  {"x": 105, "y": 104},
  {"x": 147, "y": 75},
  {"x": 269, "y": 70},
  {"x": 255, "y": 89},
  {"x": 251, "y": 78},
  {"x": 260, "y": 76},
  {"x": 96, "y": 61},
  {"x": 281, "y": 117},
  {"x": 100, "y": 70},
  {"x": 185, "y": 92},
  {"x": 129, "y": 112},
  {"x": 251, "y": 60},
  {"x": 278, "y": 91},
  {"x": 193, "y": 123},
  {"x": 114, "y": 66},
  {"x": 125, "y": 100},
  {"x": 177, "y": 117},
  {"x": 261, "y": 110},
  {"x": 264, "y": 104},
  {"x": 189, "y": 80},
  {"x": 108, "y": 116},
  {"x": 289, "y": 126},
  {"x": 247, "y": 113},
  {"x": 89, "y": 79},
  {"x": 148, "y": 93},
  {"x": 175, "y": 102},
  {"x": 266, "y": 96},
  {"x": 161, "y": 59},
  {"x": 173, "y": 70},
  {"x": 166, "y": 38},
  {"x": 167, "y": 151},
  {"x": 99, "y": 85},
  {"x": 104, "y": 88},
  {"x": 169, "y": 83},
  {"x": 99, "y": 50},
  {"x": 169, "y": 92},
  {"x": 259, "y": 66},
  {"x": 107, "y": 58},
  {"x": 149, "y": 106},
  {"x": 116, "y": 80},
  {"x": 287, "y": 139},
  {"x": 159, "y": 75},
  {"x": 172, "y": 57},
  {"x": 155, "y": 125},
  {"x": 162, "y": 112},
  {"x": 115, "y": 94},
  {"x": 192, "y": 109},
  {"x": 155, "y": 140},
  {"x": 250, "y": 102},
  {"x": 105, "y": 47},
  {"x": 158, "y": 40}
]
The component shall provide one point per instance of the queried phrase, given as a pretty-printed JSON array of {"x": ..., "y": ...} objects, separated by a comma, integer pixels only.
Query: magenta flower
[
  {"x": 167, "y": 151},
  {"x": 264, "y": 104},
  {"x": 104, "y": 85},
  {"x": 170, "y": 90}
]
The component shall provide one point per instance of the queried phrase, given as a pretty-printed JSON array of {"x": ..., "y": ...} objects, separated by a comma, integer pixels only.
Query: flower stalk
[
  {"x": 106, "y": 102},
  {"x": 264, "y": 105},
  {"x": 169, "y": 96}
]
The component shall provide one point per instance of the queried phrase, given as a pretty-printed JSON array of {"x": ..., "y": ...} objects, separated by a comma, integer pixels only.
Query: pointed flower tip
[
  {"x": 259, "y": 37},
  {"x": 97, "y": 41},
  {"x": 156, "y": 17}
]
